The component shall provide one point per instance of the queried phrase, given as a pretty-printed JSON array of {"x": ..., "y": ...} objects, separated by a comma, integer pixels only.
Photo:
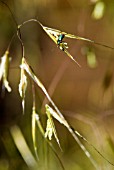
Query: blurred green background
[{"x": 84, "y": 95}]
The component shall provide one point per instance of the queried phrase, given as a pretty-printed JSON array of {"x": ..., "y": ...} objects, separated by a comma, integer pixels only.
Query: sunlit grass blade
[
  {"x": 34, "y": 131},
  {"x": 4, "y": 68},
  {"x": 50, "y": 129},
  {"x": 23, "y": 85},
  {"x": 22, "y": 147}
]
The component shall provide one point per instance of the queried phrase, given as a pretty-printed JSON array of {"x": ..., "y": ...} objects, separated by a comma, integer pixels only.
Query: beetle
[{"x": 60, "y": 38}]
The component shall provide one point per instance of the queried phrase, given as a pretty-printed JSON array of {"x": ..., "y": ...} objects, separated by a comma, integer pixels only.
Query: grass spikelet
[
  {"x": 58, "y": 115},
  {"x": 30, "y": 72},
  {"x": 76, "y": 134},
  {"x": 23, "y": 85},
  {"x": 50, "y": 144},
  {"x": 4, "y": 68},
  {"x": 50, "y": 129},
  {"x": 57, "y": 36},
  {"x": 55, "y": 115},
  {"x": 73, "y": 133},
  {"x": 57, "y": 112},
  {"x": 54, "y": 34}
]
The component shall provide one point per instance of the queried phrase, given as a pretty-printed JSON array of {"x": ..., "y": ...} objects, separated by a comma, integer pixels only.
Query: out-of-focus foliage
[
  {"x": 99, "y": 10},
  {"x": 84, "y": 95}
]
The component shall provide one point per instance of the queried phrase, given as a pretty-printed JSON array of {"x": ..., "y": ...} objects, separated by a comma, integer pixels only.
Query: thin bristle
[{"x": 76, "y": 62}]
